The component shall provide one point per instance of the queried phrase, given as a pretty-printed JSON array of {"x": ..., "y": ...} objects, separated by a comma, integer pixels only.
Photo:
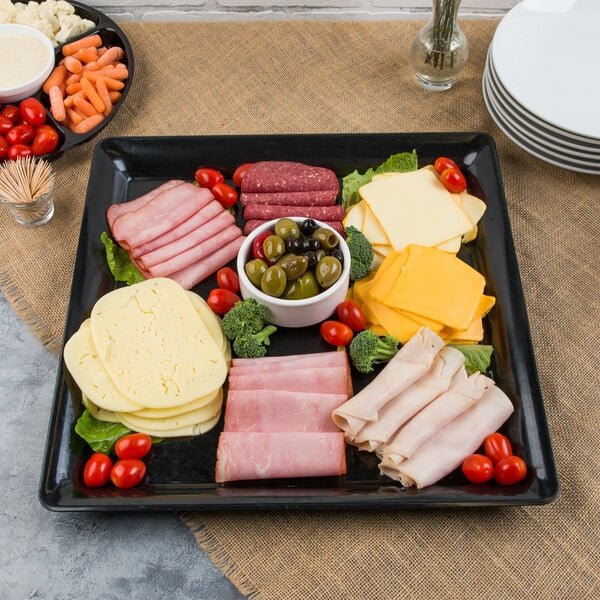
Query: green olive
[
  {"x": 303, "y": 287},
  {"x": 294, "y": 265},
  {"x": 255, "y": 269},
  {"x": 328, "y": 271},
  {"x": 327, "y": 237},
  {"x": 286, "y": 228},
  {"x": 273, "y": 247},
  {"x": 273, "y": 281}
]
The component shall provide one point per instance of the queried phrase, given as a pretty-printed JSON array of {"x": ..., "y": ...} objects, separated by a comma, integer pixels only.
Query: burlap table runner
[{"x": 299, "y": 77}]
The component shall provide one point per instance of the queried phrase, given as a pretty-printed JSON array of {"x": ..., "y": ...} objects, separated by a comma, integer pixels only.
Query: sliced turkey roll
[{"x": 445, "y": 450}]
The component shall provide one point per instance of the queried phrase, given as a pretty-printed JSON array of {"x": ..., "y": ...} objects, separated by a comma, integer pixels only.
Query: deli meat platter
[{"x": 181, "y": 471}]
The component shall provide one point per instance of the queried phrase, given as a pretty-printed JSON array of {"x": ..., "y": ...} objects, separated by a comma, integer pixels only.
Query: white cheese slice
[
  {"x": 154, "y": 345},
  {"x": 415, "y": 208},
  {"x": 452, "y": 245},
  {"x": 196, "y": 429}
]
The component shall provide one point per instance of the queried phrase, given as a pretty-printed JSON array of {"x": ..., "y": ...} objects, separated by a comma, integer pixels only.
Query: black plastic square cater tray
[{"x": 181, "y": 471}]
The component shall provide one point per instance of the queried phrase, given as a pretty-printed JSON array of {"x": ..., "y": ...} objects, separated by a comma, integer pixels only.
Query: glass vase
[{"x": 440, "y": 50}]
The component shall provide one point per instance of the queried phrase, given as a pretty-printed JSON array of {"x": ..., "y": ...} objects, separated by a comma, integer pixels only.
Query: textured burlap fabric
[{"x": 299, "y": 77}]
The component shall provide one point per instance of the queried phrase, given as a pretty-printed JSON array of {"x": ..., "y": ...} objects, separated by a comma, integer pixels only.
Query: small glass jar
[
  {"x": 32, "y": 214},
  {"x": 440, "y": 49}
]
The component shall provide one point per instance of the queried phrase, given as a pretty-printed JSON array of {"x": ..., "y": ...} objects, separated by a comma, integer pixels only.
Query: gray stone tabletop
[{"x": 69, "y": 556}]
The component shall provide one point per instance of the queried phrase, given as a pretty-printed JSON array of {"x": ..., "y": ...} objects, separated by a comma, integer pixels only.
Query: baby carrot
[
  {"x": 104, "y": 94},
  {"x": 114, "y": 96},
  {"x": 73, "y": 78},
  {"x": 88, "y": 124},
  {"x": 113, "y": 84},
  {"x": 84, "y": 107},
  {"x": 57, "y": 106},
  {"x": 86, "y": 55},
  {"x": 55, "y": 78},
  {"x": 74, "y": 116},
  {"x": 69, "y": 100},
  {"x": 72, "y": 64},
  {"x": 117, "y": 72},
  {"x": 92, "y": 95},
  {"x": 85, "y": 42},
  {"x": 112, "y": 54},
  {"x": 73, "y": 88}
]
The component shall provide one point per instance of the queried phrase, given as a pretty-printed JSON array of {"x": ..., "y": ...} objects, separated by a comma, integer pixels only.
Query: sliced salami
[
  {"x": 288, "y": 176},
  {"x": 308, "y": 198},
  {"x": 267, "y": 212}
]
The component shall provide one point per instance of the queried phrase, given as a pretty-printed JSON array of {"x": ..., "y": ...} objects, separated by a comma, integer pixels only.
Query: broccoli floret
[
  {"x": 368, "y": 349},
  {"x": 361, "y": 253},
  {"x": 252, "y": 345},
  {"x": 245, "y": 317}
]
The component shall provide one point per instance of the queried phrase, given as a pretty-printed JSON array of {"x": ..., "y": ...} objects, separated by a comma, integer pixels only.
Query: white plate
[{"x": 546, "y": 56}]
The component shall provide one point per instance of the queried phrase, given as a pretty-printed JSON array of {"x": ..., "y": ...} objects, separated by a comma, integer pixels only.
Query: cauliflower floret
[
  {"x": 43, "y": 26},
  {"x": 8, "y": 11},
  {"x": 72, "y": 26}
]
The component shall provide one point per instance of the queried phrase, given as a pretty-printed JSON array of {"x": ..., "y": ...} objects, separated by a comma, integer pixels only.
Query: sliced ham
[
  {"x": 198, "y": 252},
  {"x": 443, "y": 452},
  {"x": 328, "y": 380},
  {"x": 437, "y": 414},
  {"x": 266, "y": 212},
  {"x": 251, "y": 225},
  {"x": 285, "y": 176},
  {"x": 196, "y": 239},
  {"x": 116, "y": 210},
  {"x": 308, "y": 198},
  {"x": 409, "y": 364},
  {"x": 267, "y": 364},
  {"x": 203, "y": 268},
  {"x": 205, "y": 214},
  {"x": 280, "y": 411},
  {"x": 401, "y": 408},
  {"x": 167, "y": 210},
  {"x": 249, "y": 455}
]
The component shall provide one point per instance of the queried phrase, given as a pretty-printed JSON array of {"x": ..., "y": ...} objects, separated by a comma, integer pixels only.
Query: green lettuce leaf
[
  {"x": 477, "y": 356},
  {"x": 397, "y": 163},
  {"x": 99, "y": 435},
  {"x": 119, "y": 263}
]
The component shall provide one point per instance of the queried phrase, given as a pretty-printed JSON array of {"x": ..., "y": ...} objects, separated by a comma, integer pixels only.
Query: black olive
[
  {"x": 308, "y": 226},
  {"x": 337, "y": 253},
  {"x": 311, "y": 257},
  {"x": 292, "y": 245},
  {"x": 310, "y": 245}
]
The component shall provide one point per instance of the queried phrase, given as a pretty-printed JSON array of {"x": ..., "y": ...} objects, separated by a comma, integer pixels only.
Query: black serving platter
[
  {"x": 181, "y": 471},
  {"x": 111, "y": 35}
]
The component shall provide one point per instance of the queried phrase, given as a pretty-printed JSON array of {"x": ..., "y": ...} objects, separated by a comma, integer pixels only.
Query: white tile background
[{"x": 236, "y": 10}]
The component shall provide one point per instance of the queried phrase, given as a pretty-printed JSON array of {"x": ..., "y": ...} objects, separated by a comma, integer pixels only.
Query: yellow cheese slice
[
  {"x": 438, "y": 286},
  {"x": 85, "y": 366},
  {"x": 472, "y": 335},
  {"x": 188, "y": 430},
  {"x": 108, "y": 416},
  {"x": 415, "y": 208},
  {"x": 386, "y": 275},
  {"x": 154, "y": 345},
  {"x": 161, "y": 413}
]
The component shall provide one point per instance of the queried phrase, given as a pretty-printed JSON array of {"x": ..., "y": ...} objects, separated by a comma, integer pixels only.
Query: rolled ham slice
[
  {"x": 443, "y": 452},
  {"x": 438, "y": 413},
  {"x": 195, "y": 243},
  {"x": 249, "y": 455},
  {"x": 309, "y": 198},
  {"x": 280, "y": 411},
  {"x": 401, "y": 408},
  {"x": 167, "y": 210},
  {"x": 211, "y": 210},
  {"x": 266, "y": 364},
  {"x": 192, "y": 275},
  {"x": 288, "y": 176},
  {"x": 188, "y": 257},
  {"x": 409, "y": 364},
  {"x": 116, "y": 210},
  {"x": 266, "y": 212}
]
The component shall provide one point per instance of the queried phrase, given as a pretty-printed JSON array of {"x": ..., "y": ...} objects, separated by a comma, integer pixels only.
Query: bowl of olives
[{"x": 298, "y": 268}]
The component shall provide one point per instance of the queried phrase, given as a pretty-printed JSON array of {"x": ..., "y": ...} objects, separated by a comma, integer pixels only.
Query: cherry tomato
[
  {"x": 497, "y": 446},
  {"x": 32, "y": 110},
  {"x": 10, "y": 111},
  {"x": 207, "y": 177},
  {"x": 225, "y": 194},
  {"x": 239, "y": 173},
  {"x": 5, "y": 125},
  {"x": 127, "y": 472},
  {"x": 477, "y": 468},
  {"x": 97, "y": 470},
  {"x": 453, "y": 180},
  {"x": 442, "y": 163},
  {"x": 228, "y": 279},
  {"x": 336, "y": 333},
  {"x": 510, "y": 470},
  {"x": 3, "y": 148},
  {"x": 45, "y": 140},
  {"x": 20, "y": 134},
  {"x": 221, "y": 300},
  {"x": 258, "y": 250},
  {"x": 351, "y": 314},
  {"x": 134, "y": 445},
  {"x": 19, "y": 151}
]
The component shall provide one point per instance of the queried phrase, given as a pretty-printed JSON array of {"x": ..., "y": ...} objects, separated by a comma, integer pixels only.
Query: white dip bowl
[
  {"x": 27, "y": 58},
  {"x": 294, "y": 313}
]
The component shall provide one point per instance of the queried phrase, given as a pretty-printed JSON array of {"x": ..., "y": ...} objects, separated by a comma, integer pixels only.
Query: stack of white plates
[{"x": 541, "y": 82}]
